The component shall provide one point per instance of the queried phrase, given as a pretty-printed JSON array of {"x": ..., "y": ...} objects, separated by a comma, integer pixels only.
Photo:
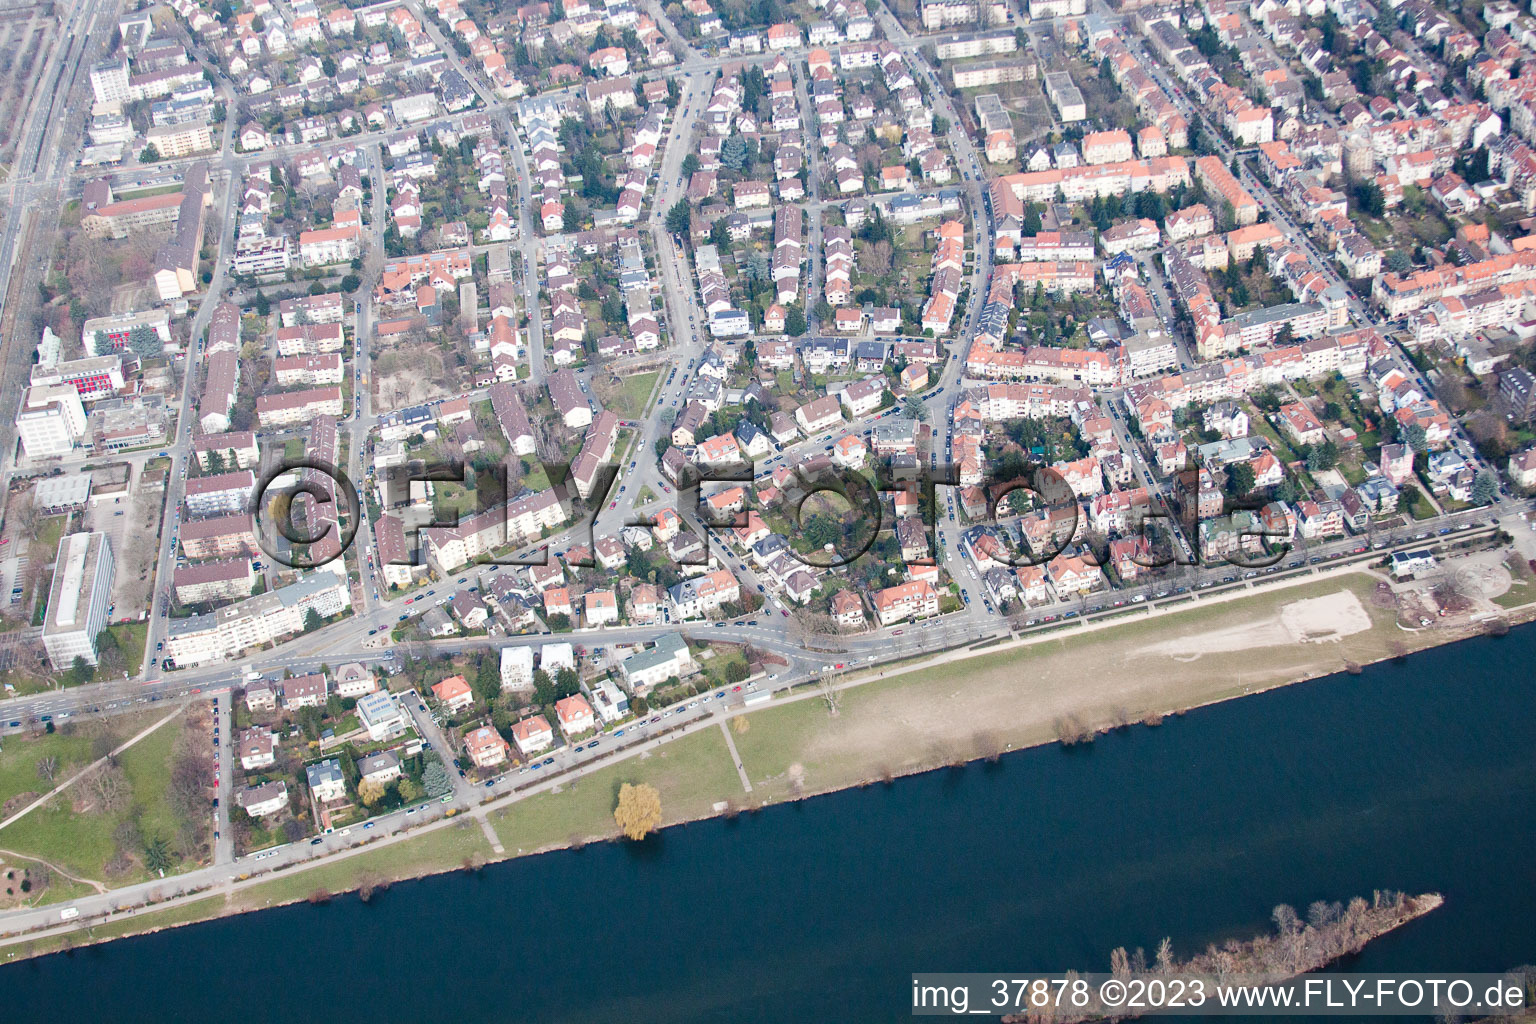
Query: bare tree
[
  {"x": 877, "y": 259},
  {"x": 109, "y": 787},
  {"x": 113, "y": 663},
  {"x": 827, "y": 686},
  {"x": 1455, "y": 590},
  {"x": 47, "y": 768},
  {"x": 23, "y": 518}
]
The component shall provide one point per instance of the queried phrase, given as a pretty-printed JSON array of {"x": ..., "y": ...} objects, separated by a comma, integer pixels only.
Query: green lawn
[
  {"x": 631, "y": 400},
  {"x": 46, "y": 544},
  {"x": 197, "y": 910},
  {"x": 130, "y": 640},
  {"x": 147, "y": 764},
  {"x": 454, "y": 500},
  {"x": 82, "y": 843},
  {"x": 40, "y": 606},
  {"x": 1283, "y": 447},
  {"x": 1521, "y": 590},
  {"x": 715, "y": 668},
  {"x": 145, "y": 193},
  {"x": 61, "y": 890},
  {"x": 692, "y": 774},
  {"x": 441, "y": 850},
  {"x": 776, "y": 737},
  {"x": 536, "y": 479},
  {"x": 19, "y": 757},
  {"x": 1424, "y": 510}
]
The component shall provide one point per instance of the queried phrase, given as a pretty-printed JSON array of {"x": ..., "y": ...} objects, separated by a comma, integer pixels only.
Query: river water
[{"x": 1418, "y": 775}]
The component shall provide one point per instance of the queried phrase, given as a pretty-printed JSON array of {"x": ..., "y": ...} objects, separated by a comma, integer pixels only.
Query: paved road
[
  {"x": 769, "y": 629},
  {"x": 180, "y": 446},
  {"x": 557, "y": 769},
  {"x": 226, "y": 756}
]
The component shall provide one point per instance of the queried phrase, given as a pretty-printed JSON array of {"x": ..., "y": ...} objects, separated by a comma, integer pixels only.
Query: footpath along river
[{"x": 1418, "y": 775}]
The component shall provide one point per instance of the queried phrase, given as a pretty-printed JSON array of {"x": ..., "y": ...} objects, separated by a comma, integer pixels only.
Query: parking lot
[{"x": 131, "y": 523}]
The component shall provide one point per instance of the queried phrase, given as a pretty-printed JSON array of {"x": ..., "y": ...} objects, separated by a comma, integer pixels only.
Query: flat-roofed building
[
  {"x": 976, "y": 73},
  {"x": 1064, "y": 93},
  {"x": 330, "y": 245},
  {"x": 93, "y": 378},
  {"x": 52, "y": 495},
  {"x": 51, "y": 420},
  {"x": 380, "y": 713},
  {"x": 114, "y": 330},
  {"x": 267, "y": 618},
  {"x": 178, "y": 140},
  {"x": 78, "y": 599}
]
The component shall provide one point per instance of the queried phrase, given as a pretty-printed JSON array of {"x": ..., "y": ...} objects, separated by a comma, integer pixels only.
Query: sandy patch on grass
[
  {"x": 1331, "y": 617},
  {"x": 1073, "y": 685}
]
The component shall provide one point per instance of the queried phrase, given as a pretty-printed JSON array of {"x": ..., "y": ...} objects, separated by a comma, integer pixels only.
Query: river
[{"x": 1418, "y": 775}]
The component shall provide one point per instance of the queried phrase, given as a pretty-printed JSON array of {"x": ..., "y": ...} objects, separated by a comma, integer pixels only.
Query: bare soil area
[
  {"x": 1331, "y": 617},
  {"x": 408, "y": 374},
  {"x": 1075, "y": 685}
]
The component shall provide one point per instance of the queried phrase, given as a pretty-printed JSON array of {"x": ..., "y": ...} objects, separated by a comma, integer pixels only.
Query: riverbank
[{"x": 946, "y": 710}]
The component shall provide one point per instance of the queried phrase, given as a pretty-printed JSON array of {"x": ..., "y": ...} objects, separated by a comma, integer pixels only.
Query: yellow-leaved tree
[{"x": 639, "y": 810}]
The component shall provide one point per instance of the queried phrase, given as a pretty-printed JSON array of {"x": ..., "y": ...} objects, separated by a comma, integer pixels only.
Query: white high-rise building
[
  {"x": 110, "y": 81},
  {"x": 51, "y": 421},
  {"x": 79, "y": 599}
]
